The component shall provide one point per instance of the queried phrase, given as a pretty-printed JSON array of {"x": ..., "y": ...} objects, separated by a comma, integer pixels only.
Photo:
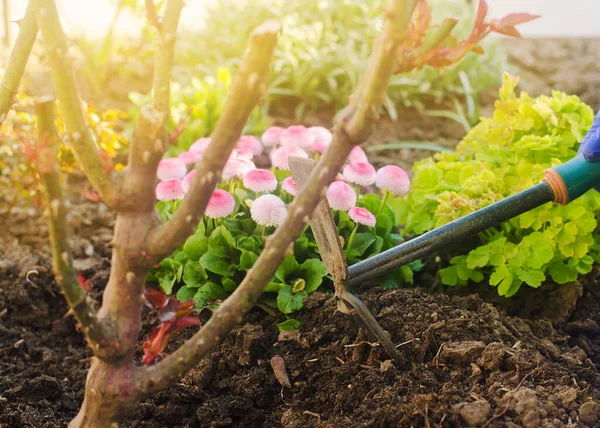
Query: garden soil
[{"x": 470, "y": 359}]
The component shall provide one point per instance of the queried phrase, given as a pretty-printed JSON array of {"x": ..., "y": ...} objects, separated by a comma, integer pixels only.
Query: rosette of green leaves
[
  {"x": 502, "y": 155},
  {"x": 216, "y": 258}
]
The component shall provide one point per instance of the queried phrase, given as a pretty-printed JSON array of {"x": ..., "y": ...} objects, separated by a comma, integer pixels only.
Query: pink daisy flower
[
  {"x": 362, "y": 216},
  {"x": 187, "y": 180},
  {"x": 341, "y": 196},
  {"x": 200, "y": 145},
  {"x": 272, "y": 136},
  {"x": 240, "y": 152},
  {"x": 169, "y": 189},
  {"x": 322, "y": 138},
  {"x": 221, "y": 204},
  {"x": 279, "y": 156},
  {"x": 237, "y": 167},
  {"x": 260, "y": 180},
  {"x": 361, "y": 173},
  {"x": 357, "y": 155},
  {"x": 268, "y": 210},
  {"x": 393, "y": 179},
  {"x": 297, "y": 136},
  {"x": 250, "y": 142},
  {"x": 289, "y": 185},
  {"x": 190, "y": 158},
  {"x": 171, "y": 168}
]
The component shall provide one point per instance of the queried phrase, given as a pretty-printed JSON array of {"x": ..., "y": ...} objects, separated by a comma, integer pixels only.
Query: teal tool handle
[{"x": 578, "y": 176}]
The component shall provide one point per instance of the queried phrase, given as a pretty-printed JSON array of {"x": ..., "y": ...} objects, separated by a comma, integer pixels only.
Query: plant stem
[
  {"x": 104, "y": 180},
  {"x": 100, "y": 337},
  {"x": 350, "y": 130},
  {"x": 18, "y": 60},
  {"x": 386, "y": 195},
  {"x": 246, "y": 90},
  {"x": 351, "y": 238}
]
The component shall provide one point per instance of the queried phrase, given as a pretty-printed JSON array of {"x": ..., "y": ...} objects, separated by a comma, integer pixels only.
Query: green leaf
[
  {"x": 194, "y": 274},
  {"x": 478, "y": 257},
  {"x": 298, "y": 285},
  {"x": 449, "y": 276},
  {"x": 195, "y": 246},
  {"x": 533, "y": 278},
  {"x": 361, "y": 242},
  {"x": 288, "y": 302},
  {"x": 218, "y": 265},
  {"x": 273, "y": 287},
  {"x": 290, "y": 324},
  {"x": 209, "y": 292},
  {"x": 312, "y": 271},
  {"x": 186, "y": 293},
  {"x": 221, "y": 242},
  {"x": 166, "y": 283},
  {"x": 287, "y": 268},
  {"x": 247, "y": 260},
  {"x": 228, "y": 284}
]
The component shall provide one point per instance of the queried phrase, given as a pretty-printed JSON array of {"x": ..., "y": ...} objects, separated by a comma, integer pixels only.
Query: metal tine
[{"x": 324, "y": 229}]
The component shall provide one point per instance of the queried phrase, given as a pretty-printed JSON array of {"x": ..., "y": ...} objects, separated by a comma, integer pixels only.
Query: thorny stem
[
  {"x": 247, "y": 88},
  {"x": 104, "y": 180},
  {"x": 100, "y": 337},
  {"x": 231, "y": 312},
  {"x": 18, "y": 60},
  {"x": 163, "y": 63}
]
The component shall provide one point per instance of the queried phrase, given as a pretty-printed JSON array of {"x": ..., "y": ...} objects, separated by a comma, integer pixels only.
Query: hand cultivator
[{"x": 561, "y": 185}]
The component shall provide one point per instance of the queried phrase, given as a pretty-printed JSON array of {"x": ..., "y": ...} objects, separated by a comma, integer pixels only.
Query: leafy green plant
[
  {"x": 196, "y": 108},
  {"x": 324, "y": 49},
  {"x": 503, "y": 155},
  {"x": 216, "y": 258}
]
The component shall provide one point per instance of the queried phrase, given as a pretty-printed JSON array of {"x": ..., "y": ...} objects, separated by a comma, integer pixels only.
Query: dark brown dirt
[
  {"x": 528, "y": 363},
  {"x": 468, "y": 362}
]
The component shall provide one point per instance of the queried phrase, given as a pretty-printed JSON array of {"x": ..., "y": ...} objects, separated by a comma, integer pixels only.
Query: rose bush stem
[
  {"x": 99, "y": 335},
  {"x": 97, "y": 168},
  {"x": 28, "y": 30},
  {"x": 351, "y": 129}
]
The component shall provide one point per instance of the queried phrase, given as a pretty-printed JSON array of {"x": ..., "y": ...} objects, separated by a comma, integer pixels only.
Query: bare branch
[
  {"x": 246, "y": 90},
  {"x": 230, "y": 313},
  {"x": 97, "y": 169},
  {"x": 152, "y": 15},
  {"x": 100, "y": 337},
  {"x": 18, "y": 60},
  {"x": 163, "y": 62}
]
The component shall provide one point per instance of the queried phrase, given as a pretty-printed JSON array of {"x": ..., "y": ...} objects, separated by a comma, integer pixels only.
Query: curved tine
[{"x": 368, "y": 322}]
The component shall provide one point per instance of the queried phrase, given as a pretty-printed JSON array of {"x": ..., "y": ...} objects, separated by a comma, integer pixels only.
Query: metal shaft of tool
[{"x": 442, "y": 236}]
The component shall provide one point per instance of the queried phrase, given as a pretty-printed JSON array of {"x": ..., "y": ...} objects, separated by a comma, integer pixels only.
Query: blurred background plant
[
  {"x": 195, "y": 109},
  {"x": 19, "y": 186},
  {"x": 324, "y": 47}
]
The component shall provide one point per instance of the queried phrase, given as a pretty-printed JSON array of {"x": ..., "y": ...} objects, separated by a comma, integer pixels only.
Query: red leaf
[
  {"x": 106, "y": 162},
  {"x": 85, "y": 283},
  {"x": 497, "y": 27},
  {"x": 482, "y": 11},
  {"x": 184, "y": 322},
  {"x": 156, "y": 298},
  {"x": 517, "y": 18},
  {"x": 90, "y": 195}
]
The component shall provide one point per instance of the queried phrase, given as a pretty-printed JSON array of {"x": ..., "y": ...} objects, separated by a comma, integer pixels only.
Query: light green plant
[{"x": 501, "y": 156}]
